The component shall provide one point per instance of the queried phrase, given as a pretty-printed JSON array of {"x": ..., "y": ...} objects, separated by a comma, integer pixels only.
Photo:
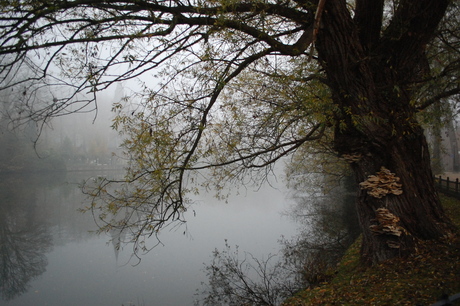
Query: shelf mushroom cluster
[{"x": 383, "y": 183}]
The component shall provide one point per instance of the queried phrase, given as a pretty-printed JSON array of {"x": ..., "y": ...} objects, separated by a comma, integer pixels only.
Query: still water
[{"x": 48, "y": 256}]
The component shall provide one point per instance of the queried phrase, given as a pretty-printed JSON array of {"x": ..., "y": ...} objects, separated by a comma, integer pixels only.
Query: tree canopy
[{"x": 223, "y": 89}]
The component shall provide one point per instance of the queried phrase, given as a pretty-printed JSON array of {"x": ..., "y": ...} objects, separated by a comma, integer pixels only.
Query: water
[{"x": 57, "y": 261}]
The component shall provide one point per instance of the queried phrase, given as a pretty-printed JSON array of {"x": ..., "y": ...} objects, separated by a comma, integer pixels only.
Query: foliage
[
  {"x": 174, "y": 148},
  {"x": 226, "y": 88},
  {"x": 418, "y": 280}
]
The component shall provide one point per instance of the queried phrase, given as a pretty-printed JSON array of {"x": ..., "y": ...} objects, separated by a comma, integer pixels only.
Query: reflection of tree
[
  {"x": 331, "y": 226},
  {"x": 236, "y": 279},
  {"x": 23, "y": 241}
]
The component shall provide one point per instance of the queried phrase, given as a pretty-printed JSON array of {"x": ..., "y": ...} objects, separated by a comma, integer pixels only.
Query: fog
[
  {"x": 77, "y": 141},
  {"x": 64, "y": 262}
]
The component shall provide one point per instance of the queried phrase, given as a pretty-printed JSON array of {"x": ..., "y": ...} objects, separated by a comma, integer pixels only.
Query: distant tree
[
  {"x": 443, "y": 61},
  {"x": 18, "y": 154},
  {"x": 233, "y": 86},
  {"x": 67, "y": 149}
]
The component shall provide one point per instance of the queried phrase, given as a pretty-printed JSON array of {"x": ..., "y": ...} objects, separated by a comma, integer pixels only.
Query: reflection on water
[
  {"x": 24, "y": 238},
  {"x": 49, "y": 257},
  {"x": 330, "y": 226}
]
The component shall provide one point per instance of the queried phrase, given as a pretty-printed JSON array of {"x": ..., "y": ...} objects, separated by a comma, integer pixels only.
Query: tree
[{"x": 244, "y": 84}]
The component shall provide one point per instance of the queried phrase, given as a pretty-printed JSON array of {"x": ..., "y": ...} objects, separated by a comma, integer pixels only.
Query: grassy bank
[{"x": 419, "y": 280}]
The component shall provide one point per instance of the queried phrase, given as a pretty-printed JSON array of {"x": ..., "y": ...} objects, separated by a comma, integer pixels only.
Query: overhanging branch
[{"x": 438, "y": 97}]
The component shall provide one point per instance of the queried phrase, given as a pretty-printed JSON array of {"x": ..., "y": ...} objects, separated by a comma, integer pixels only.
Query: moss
[{"x": 418, "y": 280}]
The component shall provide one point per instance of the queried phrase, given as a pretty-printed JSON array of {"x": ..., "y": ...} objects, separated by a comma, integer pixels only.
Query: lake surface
[{"x": 49, "y": 257}]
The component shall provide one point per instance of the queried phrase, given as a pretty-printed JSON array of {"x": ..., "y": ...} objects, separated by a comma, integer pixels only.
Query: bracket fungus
[
  {"x": 352, "y": 158},
  {"x": 387, "y": 225},
  {"x": 381, "y": 184}
]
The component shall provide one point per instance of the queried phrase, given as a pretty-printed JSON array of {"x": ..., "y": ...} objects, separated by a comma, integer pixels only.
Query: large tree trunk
[{"x": 370, "y": 79}]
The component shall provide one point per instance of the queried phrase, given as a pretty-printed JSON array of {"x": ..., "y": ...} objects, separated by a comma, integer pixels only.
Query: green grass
[{"x": 421, "y": 279}]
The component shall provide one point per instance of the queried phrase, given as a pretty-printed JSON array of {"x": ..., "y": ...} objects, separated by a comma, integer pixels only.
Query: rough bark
[{"x": 370, "y": 77}]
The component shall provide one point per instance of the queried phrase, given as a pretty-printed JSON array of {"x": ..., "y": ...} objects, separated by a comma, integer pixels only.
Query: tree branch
[
  {"x": 438, "y": 97},
  {"x": 411, "y": 28}
]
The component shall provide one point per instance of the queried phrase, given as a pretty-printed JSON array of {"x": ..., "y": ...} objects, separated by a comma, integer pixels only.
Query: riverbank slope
[{"x": 421, "y": 279}]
